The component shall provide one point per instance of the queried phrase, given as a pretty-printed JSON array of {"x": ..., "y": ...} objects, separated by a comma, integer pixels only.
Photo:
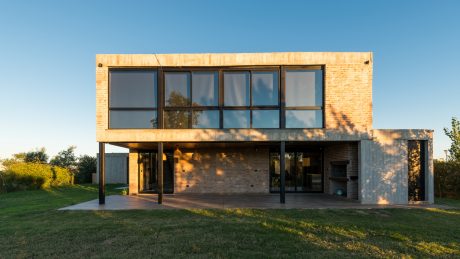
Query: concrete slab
[{"x": 221, "y": 201}]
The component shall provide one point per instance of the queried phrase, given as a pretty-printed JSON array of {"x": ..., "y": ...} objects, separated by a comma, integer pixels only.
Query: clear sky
[{"x": 48, "y": 48}]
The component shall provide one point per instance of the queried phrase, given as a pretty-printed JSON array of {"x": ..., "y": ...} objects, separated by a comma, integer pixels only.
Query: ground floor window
[
  {"x": 416, "y": 169},
  {"x": 304, "y": 171},
  {"x": 148, "y": 177}
]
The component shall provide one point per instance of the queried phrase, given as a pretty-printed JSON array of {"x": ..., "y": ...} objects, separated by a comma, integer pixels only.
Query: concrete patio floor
[{"x": 224, "y": 201}]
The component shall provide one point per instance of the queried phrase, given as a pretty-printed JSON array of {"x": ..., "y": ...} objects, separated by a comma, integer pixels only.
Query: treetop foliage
[
  {"x": 35, "y": 156},
  {"x": 454, "y": 135},
  {"x": 66, "y": 158}
]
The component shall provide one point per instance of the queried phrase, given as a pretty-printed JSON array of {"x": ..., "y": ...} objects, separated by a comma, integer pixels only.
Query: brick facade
[
  {"x": 222, "y": 170},
  {"x": 347, "y": 94},
  {"x": 377, "y": 157},
  {"x": 133, "y": 171},
  {"x": 348, "y": 97},
  {"x": 342, "y": 152}
]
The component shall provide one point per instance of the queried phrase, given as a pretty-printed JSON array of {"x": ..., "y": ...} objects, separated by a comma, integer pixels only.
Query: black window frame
[
  {"x": 303, "y": 108},
  {"x": 281, "y": 107},
  {"x": 252, "y": 107},
  {"x": 155, "y": 109},
  {"x": 190, "y": 107}
]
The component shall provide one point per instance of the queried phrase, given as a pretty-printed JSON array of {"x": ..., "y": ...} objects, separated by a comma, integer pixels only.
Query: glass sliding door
[
  {"x": 147, "y": 172},
  {"x": 148, "y": 176},
  {"x": 309, "y": 172},
  {"x": 291, "y": 177},
  {"x": 303, "y": 171}
]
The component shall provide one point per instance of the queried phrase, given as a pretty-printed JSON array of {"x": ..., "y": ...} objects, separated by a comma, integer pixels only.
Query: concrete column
[
  {"x": 429, "y": 171},
  {"x": 282, "y": 172},
  {"x": 133, "y": 172},
  {"x": 160, "y": 172},
  {"x": 101, "y": 173}
]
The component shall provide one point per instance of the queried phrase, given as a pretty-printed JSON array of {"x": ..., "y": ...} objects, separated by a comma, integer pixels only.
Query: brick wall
[
  {"x": 348, "y": 97},
  {"x": 133, "y": 172},
  {"x": 342, "y": 152},
  {"x": 348, "y": 92},
  {"x": 244, "y": 170}
]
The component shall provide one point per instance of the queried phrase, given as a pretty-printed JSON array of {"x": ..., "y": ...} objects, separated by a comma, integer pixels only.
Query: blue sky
[{"x": 48, "y": 48}]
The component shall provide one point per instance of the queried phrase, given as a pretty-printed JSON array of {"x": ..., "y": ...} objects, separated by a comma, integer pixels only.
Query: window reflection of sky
[
  {"x": 177, "y": 83},
  {"x": 236, "y": 89},
  {"x": 265, "y": 88},
  {"x": 205, "y": 89},
  {"x": 236, "y": 119}
]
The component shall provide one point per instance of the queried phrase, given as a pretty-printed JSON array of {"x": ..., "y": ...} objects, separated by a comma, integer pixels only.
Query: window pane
[
  {"x": 236, "y": 89},
  {"x": 205, "y": 119},
  {"x": 133, "y": 89},
  {"x": 304, "y": 88},
  {"x": 177, "y": 89},
  {"x": 265, "y": 119},
  {"x": 265, "y": 88},
  {"x": 236, "y": 119},
  {"x": 205, "y": 89},
  {"x": 176, "y": 119},
  {"x": 304, "y": 119},
  {"x": 133, "y": 119}
]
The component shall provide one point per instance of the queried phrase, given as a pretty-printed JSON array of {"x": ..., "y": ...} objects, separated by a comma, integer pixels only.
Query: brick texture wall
[
  {"x": 348, "y": 91},
  {"x": 348, "y": 97},
  {"x": 244, "y": 170},
  {"x": 341, "y": 152},
  {"x": 133, "y": 172}
]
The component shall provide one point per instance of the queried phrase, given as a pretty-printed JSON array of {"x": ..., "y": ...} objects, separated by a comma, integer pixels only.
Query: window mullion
[{"x": 250, "y": 99}]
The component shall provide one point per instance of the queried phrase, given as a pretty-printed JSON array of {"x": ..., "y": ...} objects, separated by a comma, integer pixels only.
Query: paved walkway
[{"x": 220, "y": 201}]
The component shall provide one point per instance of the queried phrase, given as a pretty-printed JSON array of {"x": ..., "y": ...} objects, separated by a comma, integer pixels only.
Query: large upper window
[
  {"x": 177, "y": 89},
  {"x": 133, "y": 99},
  {"x": 265, "y": 88},
  {"x": 210, "y": 98},
  {"x": 205, "y": 119},
  {"x": 304, "y": 98},
  {"x": 265, "y": 119},
  {"x": 304, "y": 118},
  {"x": 205, "y": 89},
  {"x": 251, "y": 99},
  {"x": 191, "y": 100},
  {"x": 236, "y": 88}
]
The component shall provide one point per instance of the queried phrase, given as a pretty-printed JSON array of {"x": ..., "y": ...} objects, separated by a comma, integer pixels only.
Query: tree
[
  {"x": 66, "y": 158},
  {"x": 454, "y": 135},
  {"x": 179, "y": 119},
  {"x": 35, "y": 156},
  {"x": 86, "y": 166}
]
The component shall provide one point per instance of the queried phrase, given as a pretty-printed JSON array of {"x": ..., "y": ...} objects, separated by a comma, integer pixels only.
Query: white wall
[
  {"x": 116, "y": 168},
  {"x": 383, "y": 172},
  {"x": 383, "y": 162}
]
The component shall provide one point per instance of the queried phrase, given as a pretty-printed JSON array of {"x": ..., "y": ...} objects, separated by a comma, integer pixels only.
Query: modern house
[{"x": 256, "y": 123}]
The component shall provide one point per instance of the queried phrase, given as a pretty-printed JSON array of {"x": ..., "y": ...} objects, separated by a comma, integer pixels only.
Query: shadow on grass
[
  {"x": 357, "y": 240},
  {"x": 32, "y": 227}
]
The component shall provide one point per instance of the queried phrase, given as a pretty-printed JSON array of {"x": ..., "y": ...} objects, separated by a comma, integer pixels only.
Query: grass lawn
[{"x": 30, "y": 226}]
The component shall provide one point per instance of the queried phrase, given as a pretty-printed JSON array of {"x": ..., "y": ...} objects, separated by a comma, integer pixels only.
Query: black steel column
[
  {"x": 160, "y": 126},
  {"x": 160, "y": 172},
  {"x": 101, "y": 173},
  {"x": 282, "y": 172}
]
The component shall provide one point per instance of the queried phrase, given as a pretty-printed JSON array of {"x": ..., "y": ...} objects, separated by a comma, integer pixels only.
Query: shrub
[
  {"x": 447, "y": 178},
  {"x": 26, "y": 176},
  {"x": 61, "y": 176},
  {"x": 86, "y": 166}
]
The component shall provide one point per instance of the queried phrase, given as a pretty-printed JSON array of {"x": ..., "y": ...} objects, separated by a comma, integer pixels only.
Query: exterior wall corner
[{"x": 133, "y": 172}]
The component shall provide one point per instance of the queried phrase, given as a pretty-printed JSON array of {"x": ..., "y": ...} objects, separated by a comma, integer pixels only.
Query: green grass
[
  {"x": 449, "y": 202},
  {"x": 30, "y": 226}
]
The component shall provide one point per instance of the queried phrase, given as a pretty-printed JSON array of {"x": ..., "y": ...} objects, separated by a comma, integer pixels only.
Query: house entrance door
[
  {"x": 303, "y": 171},
  {"x": 148, "y": 176}
]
